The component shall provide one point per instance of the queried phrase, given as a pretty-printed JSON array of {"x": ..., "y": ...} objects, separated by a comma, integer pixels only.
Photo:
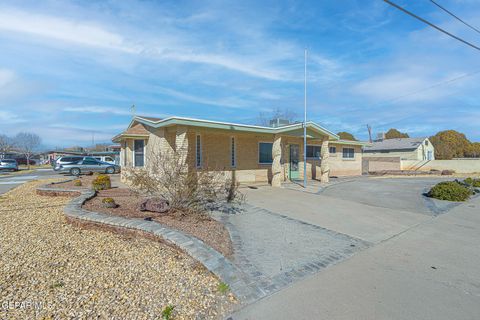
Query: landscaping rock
[{"x": 155, "y": 205}]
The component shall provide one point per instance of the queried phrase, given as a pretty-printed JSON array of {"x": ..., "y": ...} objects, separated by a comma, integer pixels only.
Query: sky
[{"x": 71, "y": 70}]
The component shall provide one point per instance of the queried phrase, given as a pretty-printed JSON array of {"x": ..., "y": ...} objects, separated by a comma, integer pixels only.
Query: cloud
[
  {"x": 81, "y": 33},
  {"x": 94, "y": 109},
  {"x": 6, "y": 77}
]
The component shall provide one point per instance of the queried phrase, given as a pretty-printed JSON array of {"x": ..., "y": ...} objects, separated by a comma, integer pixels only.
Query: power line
[
  {"x": 438, "y": 84},
  {"x": 432, "y": 25},
  {"x": 456, "y": 17}
]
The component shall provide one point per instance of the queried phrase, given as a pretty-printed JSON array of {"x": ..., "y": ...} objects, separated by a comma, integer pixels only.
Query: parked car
[
  {"x": 23, "y": 161},
  {"x": 87, "y": 165},
  {"x": 9, "y": 164},
  {"x": 105, "y": 159},
  {"x": 66, "y": 159}
]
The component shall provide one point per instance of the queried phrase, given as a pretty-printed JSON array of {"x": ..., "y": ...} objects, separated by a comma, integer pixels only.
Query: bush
[
  {"x": 472, "y": 182},
  {"x": 77, "y": 183},
  {"x": 101, "y": 182},
  {"x": 108, "y": 200},
  {"x": 109, "y": 203},
  {"x": 188, "y": 192},
  {"x": 450, "y": 190}
]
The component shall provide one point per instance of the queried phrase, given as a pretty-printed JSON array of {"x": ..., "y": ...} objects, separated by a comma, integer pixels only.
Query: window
[
  {"x": 198, "y": 151},
  {"x": 233, "y": 151},
  {"x": 426, "y": 142},
  {"x": 138, "y": 150},
  {"x": 332, "y": 149},
  {"x": 108, "y": 159},
  {"x": 265, "y": 152},
  {"x": 313, "y": 152},
  {"x": 90, "y": 161},
  {"x": 348, "y": 153}
]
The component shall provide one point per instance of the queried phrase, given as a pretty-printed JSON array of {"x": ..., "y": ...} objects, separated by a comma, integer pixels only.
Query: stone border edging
[{"x": 214, "y": 261}]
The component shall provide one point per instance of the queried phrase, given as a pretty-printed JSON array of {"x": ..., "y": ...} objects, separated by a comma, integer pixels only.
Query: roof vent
[{"x": 279, "y": 122}]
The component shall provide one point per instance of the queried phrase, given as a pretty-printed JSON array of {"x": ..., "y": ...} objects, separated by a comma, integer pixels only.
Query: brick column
[
  {"x": 324, "y": 166},
  {"x": 277, "y": 164},
  {"x": 181, "y": 145}
]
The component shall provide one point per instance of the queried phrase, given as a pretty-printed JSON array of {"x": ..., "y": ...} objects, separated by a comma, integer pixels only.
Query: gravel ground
[
  {"x": 208, "y": 230},
  {"x": 52, "y": 270}
]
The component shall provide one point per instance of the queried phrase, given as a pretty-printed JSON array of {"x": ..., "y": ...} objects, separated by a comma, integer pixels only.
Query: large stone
[{"x": 155, "y": 205}]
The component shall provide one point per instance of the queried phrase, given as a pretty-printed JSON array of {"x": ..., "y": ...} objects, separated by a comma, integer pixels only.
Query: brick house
[{"x": 254, "y": 153}]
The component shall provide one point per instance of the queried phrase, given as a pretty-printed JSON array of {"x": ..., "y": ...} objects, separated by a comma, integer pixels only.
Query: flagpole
[{"x": 305, "y": 125}]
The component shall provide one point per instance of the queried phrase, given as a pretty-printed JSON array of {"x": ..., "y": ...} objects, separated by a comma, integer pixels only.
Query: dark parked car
[
  {"x": 8, "y": 164},
  {"x": 23, "y": 161}
]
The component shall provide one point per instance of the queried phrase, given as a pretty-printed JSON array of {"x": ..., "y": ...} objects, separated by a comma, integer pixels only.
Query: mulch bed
[{"x": 206, "y": 229}]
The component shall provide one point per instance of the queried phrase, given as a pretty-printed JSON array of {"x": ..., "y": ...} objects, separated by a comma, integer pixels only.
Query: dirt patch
[
  {"x": 209, "y": 230},
  {"x": 85, "y": 179}
]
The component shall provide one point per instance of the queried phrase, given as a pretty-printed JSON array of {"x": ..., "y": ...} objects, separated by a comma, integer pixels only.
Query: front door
[{"x": 294, "y": 156}]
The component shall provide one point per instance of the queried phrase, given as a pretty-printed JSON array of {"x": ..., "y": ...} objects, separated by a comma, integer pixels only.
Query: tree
[
  {"x": 346, "y": 136},
  {"x": 26, "y": 143},
  {"x": 395, "y": 134},
  {"x": 450, "y": 144},
  {"x": 5, "y": 144},
  {"x": 264, "y": 118}
]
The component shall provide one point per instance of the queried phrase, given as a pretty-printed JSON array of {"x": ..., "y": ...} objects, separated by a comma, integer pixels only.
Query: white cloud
[
  {"x": 82, "y": 33},
  {"x": 94, "y": 109},
  {"x": 6, "y": 77}
]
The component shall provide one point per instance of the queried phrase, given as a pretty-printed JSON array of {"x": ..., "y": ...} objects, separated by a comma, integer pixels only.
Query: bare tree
[
  {"x": 188, "y": 191},
  {"x": 264, "y": 118},
  {"x": 5, "y": 144},
  {"x": 26, "y": 143}
]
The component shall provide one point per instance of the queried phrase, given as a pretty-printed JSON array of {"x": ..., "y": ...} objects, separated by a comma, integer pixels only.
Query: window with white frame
[
  {"x": 265, "y": 153},
  {"x": 313, "y": 152},
  {"x": 332, "y": 149},
  {"x": 198, "y": 151},
  {"x": 233, "y": 152},
  {"x": 348, "y": 153},
  {"x": 138, "y": 153}
]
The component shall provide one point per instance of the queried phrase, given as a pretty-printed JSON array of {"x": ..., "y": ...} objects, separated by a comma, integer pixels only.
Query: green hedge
[
  {"x": 451, "y": 191},
  {"x": 472, "y": 182}
]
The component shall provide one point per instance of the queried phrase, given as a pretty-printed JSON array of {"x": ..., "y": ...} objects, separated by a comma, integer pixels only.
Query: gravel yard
[{"x": 57, "y": 271}]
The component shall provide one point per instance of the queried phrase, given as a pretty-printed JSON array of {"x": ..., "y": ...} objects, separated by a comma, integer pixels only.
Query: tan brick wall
[
  {"x": 216, "y": 153},
  {"x": 345, "y": 167}
]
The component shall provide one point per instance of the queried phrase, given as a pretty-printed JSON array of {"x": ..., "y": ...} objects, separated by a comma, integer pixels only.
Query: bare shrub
[{"x": 188, "y": 191}]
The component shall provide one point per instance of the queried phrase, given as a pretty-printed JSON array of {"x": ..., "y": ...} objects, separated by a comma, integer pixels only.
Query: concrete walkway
[{"x": 430, "y": 271}]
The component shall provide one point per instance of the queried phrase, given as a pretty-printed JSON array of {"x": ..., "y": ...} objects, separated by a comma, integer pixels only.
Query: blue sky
[{"x": 72, "y": 68}]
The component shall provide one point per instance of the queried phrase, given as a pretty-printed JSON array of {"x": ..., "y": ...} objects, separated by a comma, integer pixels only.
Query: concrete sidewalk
[{"x": 430, "y": 271}]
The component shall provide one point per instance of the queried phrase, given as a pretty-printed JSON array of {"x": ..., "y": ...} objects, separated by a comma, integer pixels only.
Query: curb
[{"x": 214, "y": 261}]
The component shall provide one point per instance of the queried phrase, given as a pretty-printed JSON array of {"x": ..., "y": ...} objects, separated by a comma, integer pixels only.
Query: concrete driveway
[
  {"x": 419, "y": 259},
  {"x": 429, "y": 271},
  {"x": 371, "y": 209}
]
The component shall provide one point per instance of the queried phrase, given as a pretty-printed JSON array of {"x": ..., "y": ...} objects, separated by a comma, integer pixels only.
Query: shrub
[
  {"x": 188, "y": 192},
  {"x": 109, "y": 203},
  {"x": 101, "y": 182},
  {"x": 472, "y": 182},
  {"x": 77, "y": 183},
  {"x": 450, "y": 190}
]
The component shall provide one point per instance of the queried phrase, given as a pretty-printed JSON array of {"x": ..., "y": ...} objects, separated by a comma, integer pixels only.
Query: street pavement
[{"x": 9, "y": 181}]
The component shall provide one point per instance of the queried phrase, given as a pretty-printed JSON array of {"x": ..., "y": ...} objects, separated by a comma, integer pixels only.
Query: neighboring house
[
  {"x": 419, "y": 149},
  {"x": 254, "y": 153}
]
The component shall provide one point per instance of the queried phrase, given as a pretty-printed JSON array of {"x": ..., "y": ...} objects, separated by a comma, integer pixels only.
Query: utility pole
[
  {"x": 305, "y": 124},
  {"x": 369, "y": 133}
]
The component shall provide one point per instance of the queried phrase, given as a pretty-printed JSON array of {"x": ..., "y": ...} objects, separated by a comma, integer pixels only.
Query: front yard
[{"x": 52, "y": 270}]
